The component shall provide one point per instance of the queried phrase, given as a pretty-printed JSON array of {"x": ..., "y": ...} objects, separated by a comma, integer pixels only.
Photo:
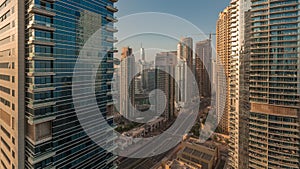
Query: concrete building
[
  {"x": 39, "y": 45},
  {"x": 244, "y": 104},
  {"x": 200, "y": 155},
  {"x": 127, "y": 83},
  {"x": 203, "y": 67},
  {"x": 274, "y": 85},
  {"x": 223, "y": 48},
  {"x": 237, "y": 26},
  {"x": 165, "y": 63},
  {"x": 177, "y": 164}
]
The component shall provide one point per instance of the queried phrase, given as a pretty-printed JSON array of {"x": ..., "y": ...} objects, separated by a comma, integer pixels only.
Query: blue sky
[
  {"x": 199, "y": 14},
  {"x": 202, "y": 13}
]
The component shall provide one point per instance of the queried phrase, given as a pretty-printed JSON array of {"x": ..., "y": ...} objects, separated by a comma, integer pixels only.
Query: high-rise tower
[
  {"x": 127, "y": 83},
  {"x": 39, "y": 44},
  {"x": 185, "y": 52},
  {"x": 223, "y": 66},
  {"x": 274, "y": 85},
  {"x": 237, "y": 38},
  {"x": 203, "y": 63},
  {"x": 165, "y": 63}
]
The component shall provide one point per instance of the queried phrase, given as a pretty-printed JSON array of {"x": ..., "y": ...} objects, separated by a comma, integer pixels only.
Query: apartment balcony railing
[
  {"x": 112, "y": 8},
  {"x": 111, "y": 19}
]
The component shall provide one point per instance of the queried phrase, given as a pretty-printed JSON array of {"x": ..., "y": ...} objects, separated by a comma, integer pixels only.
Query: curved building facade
[{"x": 39, "y": 125}]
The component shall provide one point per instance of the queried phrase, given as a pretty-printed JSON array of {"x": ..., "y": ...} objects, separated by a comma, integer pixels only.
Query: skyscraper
[
  {"x": 223, "y": 57},
  {"x": 39, "y": 44},
  {"x": 180, "y": 75},
  {"x": 203, "y": 63},
  {"x": 237, "y": 25},
  {"x": 185, "y": 52},
  {"x": 244, "y": 94},
  {"x": 165, "y": 63},
  {"x": 274, "y": 85},
  {"x": 142, "y": 54},
  {"x": 127, "y": 87}
]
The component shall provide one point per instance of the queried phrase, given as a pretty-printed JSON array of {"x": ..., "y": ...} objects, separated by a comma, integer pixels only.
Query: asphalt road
[{"x": 171, "y": 138}]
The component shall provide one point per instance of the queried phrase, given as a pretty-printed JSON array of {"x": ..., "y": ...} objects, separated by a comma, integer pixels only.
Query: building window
[
  {"x": 13, "y": 140},
  {"x": 5, "y": 132},
  {"x": 13, "y": 123},
  {"x": 5, "y": 155}
]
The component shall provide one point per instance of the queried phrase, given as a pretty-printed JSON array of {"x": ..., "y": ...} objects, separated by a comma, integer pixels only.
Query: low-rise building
[{"x": 204, "y": 155}]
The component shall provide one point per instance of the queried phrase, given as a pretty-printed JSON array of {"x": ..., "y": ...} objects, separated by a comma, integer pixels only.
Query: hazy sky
[
  {"x": 193, "y": 15},
  {"x": 202, "y": 13}
]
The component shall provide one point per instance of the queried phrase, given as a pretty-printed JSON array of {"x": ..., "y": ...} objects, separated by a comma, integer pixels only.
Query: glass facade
[{"x": 56, "y": 31}]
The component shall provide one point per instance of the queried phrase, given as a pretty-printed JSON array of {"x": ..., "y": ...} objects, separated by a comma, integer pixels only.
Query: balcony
[
  {"x": 34, "y": 121},
  {"x": 113, "y": 50},
  {"x": 111, "y": 19},
  {"x": 111, "y": 29},
  {"x": 40, "y": 72},
  {"x": 31, "y": 74},
  {"x": 41, "y": 25},
  {"x": 35, "y": 8},
  {"x": 35, "y": 160},
  {"x": 112, "y": 40},
  {"x": 41, "y": 56},
  {"x": 41, "y": 105},
  {"x": 110, "y": 103},
  {"x": 33, "y": 88},
  {"x": 41, "y": 41},
  {"x": 112, "y": 8}
]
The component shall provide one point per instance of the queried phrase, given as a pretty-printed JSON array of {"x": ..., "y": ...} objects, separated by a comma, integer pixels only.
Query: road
[{"x": 167, "y": 141}]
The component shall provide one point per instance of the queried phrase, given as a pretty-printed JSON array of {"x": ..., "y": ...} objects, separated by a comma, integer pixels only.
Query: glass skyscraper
[{"x": 38, "y": 52}]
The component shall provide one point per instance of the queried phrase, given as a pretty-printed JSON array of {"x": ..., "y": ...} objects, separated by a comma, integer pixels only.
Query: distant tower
[
  {"x": 203, "y": 67},
  {"x": 165, "y": 63},
  {"x": 143, "y": 66},
  {"x": 142, "y": 53},
  {"x": 185, "y": 51},
  {"x": 180, "y": 73},
  {"x": 127, "y": 72},
  {"x": 223, "y": 69}
]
